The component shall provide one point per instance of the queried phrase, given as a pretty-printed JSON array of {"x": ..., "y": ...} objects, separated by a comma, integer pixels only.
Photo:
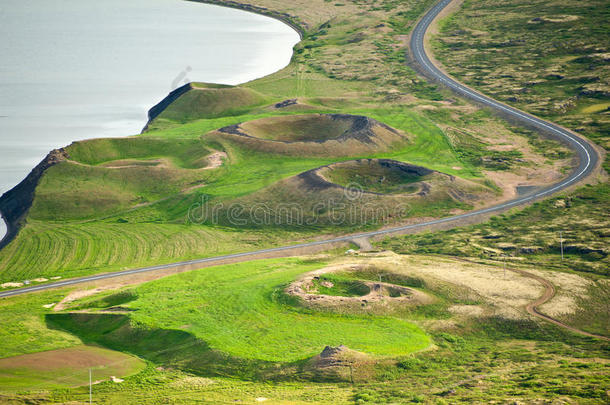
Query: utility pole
[
  {"x": 90, "y": 396},
  {"x": 561, "y": 244},
  {"x": 351, "y": 374}
]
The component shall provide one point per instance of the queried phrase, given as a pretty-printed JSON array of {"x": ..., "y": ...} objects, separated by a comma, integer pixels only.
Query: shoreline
[
  {"x": 23, "y": 191},
  {"x": 587, "y": 167},
  {"x": 285, "y": 18}
]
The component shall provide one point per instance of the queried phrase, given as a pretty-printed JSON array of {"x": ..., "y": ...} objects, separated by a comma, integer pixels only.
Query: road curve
[{"x": 588, "y": 158}]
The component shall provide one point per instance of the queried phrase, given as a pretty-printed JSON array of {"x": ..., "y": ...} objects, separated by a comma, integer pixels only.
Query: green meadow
[
  {"x": 125, "y": 202},
  {"x": 232, "y": 333},
  {"x": 241, "y": 310}
]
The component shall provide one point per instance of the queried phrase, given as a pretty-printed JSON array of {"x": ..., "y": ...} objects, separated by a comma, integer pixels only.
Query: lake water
[{"x": 78, "y": 69}]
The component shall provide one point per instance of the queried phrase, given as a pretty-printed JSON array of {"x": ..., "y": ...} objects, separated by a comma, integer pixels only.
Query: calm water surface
[{"x": 77, "y": 69}]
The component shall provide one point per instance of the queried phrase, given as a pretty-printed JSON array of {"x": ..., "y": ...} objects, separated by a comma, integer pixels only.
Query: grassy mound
[
  {"x": 183, "y": 153},
  {"x": 135, "y": 193},
  {"x": 204, "y": 100},
  {"x": 104, "y": 176},
  {"x": 377, "y": 175},
  {"x": 240, "y": 310},
  {"x": 310, "y": 199},
  {"x": 315, "y": 134}
]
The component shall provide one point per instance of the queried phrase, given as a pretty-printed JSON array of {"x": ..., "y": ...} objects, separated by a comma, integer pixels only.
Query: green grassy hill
[
  {"x": 110, "y": 190},
  {"x": 208, "y": 100},
  {"x": 235, "y": 333},
  {"x": 241, "y": 310}
]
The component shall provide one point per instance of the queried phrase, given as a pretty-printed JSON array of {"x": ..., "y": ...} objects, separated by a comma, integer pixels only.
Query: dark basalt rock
[{"x": 15, "y": 203}]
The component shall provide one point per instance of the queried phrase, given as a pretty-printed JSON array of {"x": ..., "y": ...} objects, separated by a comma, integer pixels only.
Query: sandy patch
[
  {"x": 509, "y": 181},
  {"x": 490, "y": 282},
  {"x": 127, "y": 163},
  {"x": 507, "y": 294},
  {"x": 11, "y": 285},
  {"x": 363, "y": 243},
  {"x": 191, "y": 188},
  {"x": 215, "y": 160},
  {"x": 555, "y": 19},
  {"x": 76, "y": 295},
  {"x": 468, "y": 310}
]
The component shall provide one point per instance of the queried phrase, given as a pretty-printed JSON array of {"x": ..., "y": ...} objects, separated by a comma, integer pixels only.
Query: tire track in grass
[{"x": 546, "y": 296}]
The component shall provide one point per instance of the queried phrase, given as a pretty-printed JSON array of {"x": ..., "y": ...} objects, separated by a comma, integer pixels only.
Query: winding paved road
[{"x": 588, "y": 158}]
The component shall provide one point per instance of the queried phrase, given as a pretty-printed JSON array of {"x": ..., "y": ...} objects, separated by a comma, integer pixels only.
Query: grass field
[
  {"x": 109, "y": 245},
  {"x": 231, "y": 334},
  {"x": 64, "y": 368},
  {"x": 23, "y": 325},
  {"x": 240, "y": 310},
  {"x": 550, "y": 58},
  {"x": 140, "y": 211},
  {"x": 196, "y": 329}
]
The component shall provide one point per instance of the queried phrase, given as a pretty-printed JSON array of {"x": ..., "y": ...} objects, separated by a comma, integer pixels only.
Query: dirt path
[{"x": 547, "y": 295}]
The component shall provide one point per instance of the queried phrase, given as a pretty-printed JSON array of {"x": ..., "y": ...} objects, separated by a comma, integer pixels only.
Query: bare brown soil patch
[
  {"x": 215, "y": 160},
  {"x": 78, "y": 294},
  {"x": 66, "y": 367},
  {"x": 73, "y": 357}
]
